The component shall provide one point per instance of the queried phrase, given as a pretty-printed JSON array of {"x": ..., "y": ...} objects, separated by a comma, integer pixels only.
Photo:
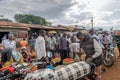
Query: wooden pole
[{"x": 92, "y": 22}]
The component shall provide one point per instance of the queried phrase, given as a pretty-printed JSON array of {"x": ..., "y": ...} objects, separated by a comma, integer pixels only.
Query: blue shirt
[{"x": 31, "y": 42}]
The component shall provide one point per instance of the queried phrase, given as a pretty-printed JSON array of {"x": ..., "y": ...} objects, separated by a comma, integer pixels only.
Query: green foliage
[
  {"x": 5, "y": 20},
  {"x": 29, "y": 18},
  {"x": 100, "y": 29}
]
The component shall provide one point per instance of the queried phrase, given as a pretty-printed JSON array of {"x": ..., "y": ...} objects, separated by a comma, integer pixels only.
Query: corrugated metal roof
[
  {"x": 13, "y": 25},
  {"x": 28, "y": 26}
]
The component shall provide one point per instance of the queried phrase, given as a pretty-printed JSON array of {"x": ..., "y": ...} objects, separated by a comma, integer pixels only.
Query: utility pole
[{"x": 92, "y": 22}]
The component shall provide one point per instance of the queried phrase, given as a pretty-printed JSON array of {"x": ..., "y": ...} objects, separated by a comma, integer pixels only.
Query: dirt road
[{"x": 113, "y": 72}]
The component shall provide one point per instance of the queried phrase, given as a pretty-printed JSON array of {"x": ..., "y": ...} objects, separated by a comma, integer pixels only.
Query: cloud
[
  {"x": 45, "y": 8},
  {"x": 104, "y": 12},
  {"x": 111, "y": 5},
  {"x": 115, "y": 15}
]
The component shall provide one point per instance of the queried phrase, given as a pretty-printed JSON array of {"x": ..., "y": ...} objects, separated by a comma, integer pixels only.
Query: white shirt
[
  {"x": 98, "y": 39},
  {"x": 98, "y": 49},
  {"x": 100, "y": 36},
  {"x": 74, "y": 47},
  {"x": 40, "y": 47},
  {"x": 51, "y": 42},
  {"x": 69, "y": 40},
  {"x": 110, "y": 38},
  {"x": 9, "y": 44}
]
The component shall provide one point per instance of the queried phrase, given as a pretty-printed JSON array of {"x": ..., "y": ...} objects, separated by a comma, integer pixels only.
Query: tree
[
  {"x": 6, "y": 20},
  {"x": 29, "y": 18},
  {"x": 100, "y": 29}
]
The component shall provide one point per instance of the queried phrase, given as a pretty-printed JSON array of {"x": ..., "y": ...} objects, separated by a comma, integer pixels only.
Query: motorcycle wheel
[{"x": 109, "y": 60}]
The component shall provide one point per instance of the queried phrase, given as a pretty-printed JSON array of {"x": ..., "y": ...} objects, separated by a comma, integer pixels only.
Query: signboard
[{"x": 22, "y": 35}]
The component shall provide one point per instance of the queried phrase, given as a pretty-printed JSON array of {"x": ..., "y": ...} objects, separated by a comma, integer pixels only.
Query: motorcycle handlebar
[{"x": 8, "y": 71}]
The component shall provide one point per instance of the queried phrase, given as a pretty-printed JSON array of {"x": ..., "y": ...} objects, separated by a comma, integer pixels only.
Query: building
[{"x": 21, "y": 30}]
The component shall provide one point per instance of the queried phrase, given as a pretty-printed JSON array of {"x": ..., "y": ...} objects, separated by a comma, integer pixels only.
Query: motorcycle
[
  {"x": 12, "y": 72},
  {"x": 108, "y": 55},
  {"x": 17, "y": 71},
  {"x": 26, "y": 57}
]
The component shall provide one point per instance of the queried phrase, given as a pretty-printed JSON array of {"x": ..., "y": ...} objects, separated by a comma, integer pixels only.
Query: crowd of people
[{"x": 67, "y": 45}]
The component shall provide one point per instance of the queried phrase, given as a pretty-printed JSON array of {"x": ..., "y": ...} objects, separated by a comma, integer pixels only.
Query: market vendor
[
  {"x": 9, "y": 56},
  {"x": 92, "y": 50},
  {"x": 74, "y": 49}
]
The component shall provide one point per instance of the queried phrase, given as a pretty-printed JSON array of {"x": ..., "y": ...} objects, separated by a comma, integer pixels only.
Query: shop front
[{"x": 18, "y": 33}]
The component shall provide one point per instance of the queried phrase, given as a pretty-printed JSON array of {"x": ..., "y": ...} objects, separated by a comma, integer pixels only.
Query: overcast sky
[{"x": 106, "y": 13}]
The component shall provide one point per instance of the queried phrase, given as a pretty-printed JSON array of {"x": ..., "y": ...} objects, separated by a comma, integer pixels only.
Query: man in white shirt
[
  {"x": 74, "y": 49},
  {"x": 40, "y": 47},
  {"x": 51, "y": 42},
  {"x": 109, "y": 37},
  {"x": 10, "y": 42}
]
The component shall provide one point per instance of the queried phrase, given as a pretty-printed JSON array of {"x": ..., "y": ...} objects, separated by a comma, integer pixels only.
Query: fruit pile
[
  {"x": 68, "y": 61},
  {"x": 56, "y": 60}
]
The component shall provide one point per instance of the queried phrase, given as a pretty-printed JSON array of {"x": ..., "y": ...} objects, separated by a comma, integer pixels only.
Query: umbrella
[{"x": 52, "y": 32}]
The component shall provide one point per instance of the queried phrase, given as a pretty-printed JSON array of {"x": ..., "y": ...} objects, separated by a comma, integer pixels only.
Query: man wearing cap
[
  {"x": 40, "y": 45},
  {"x": 92, "y": 50}
]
